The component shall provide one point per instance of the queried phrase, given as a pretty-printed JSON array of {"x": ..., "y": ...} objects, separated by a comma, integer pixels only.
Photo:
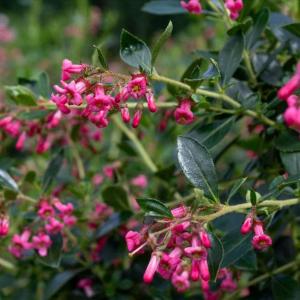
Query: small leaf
[
  {"x": 197, "y": 165},
  {"x": 230, "y": 57},
  {"x": 287, "y": 142},
  {"x": 293, "y": 28},
  {"x": 7, "y": 181},
  {"x": 21, "y": 95},
  {"x": 43, "y": 85},
  {"x": 161, "y": 41},
  {"x": 215, "y": 256},
  {"x": 285, "y": 288},
  {"x": 154, "y": 207},
  {"x": 116, "y": 197},
  {"x": 236, "y": 188},
  {"x": 101, "y": 58},
  {"x": 52, "y": 170},
  {"x": 57, "y": 282},
  {"x": 291, "y": 162},
  {"x": 53, "y": 257},
  {"x": 164, "y": 7},
  {"x": 260, "y": 24},
  {"x": 134, "y": 51}
]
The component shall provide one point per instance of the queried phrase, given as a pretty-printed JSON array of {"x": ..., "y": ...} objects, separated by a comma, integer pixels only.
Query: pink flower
[
  {"x": 125, "y": 114},
  {"x": 133, "y": 240},
  {"x": 151, "y": 268},
  {"x": 53, "y": 226},
  {"x": 195, "y": 270},
  {"x": 291, "y": 86},
  {"x": 4, "y": 225},
  {"x": 193, "y": 6},
  {"x": 21, "y": 141},
  {"x": 181, "y": 281},
  {"x": 196, "y": 251},
  {"x": 86, "y": 284},
  {"x": 97, "y": 179},
  {"x": 140, "y": 181},
  {"x": 204, "y": 270},
  {"x": 150, "y": 101},
  {"x": 137, "y": 118},
  {"x": 109, "y": 171},
  {"x": 137, "y": 86},
  {"x": 260, "y": 240},
  {"x": 65, "y": 209},
  {"x": 292, "y": 113},
  {"x": 41, "y": 243},
  {"x": 234, "y": 7},
  {"x": 204, "y": 238},
  {"x": 43, "y": 145},
  {"x": 179, "y": 212},
  {"x": 68, "y": 68},
  {"x": 45, "y": 210},
  {"x": 247, "y": 225},
  {"x": 70, "y": 221},
  {"x": 20, "y": 244},
  {"x": 100, "y": 99},
  {"x": 54, "y": 119},
  {"x": 169, "y": 262},
  {"x": 183, "y": 114}
]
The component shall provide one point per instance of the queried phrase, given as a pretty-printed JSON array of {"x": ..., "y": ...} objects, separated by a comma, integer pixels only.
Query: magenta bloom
[
  {"x": 137, "y": 86},
  {"x": 204, "y": 238},
  {"x": 125, "y": 114},
  {"x": 179, "y": 212},
  {"x": 234, "y": 7},
  {"x": 183, "y": 114},
  {"x": 192, "y": 6},
  {"x": 21, "y": 141},
  {"x": 87, "y": 285},
  {"x": 260, "y": 240},
  {"x": 291, "y": 86},
  {"x": 68, "y": 68},
  {"x": 4, "y": 225},
  {"x": 181, "y": 281},
  {"x": 137, "y": 118},
  {"x": 169, "y": 262},
  {"x": 151, "y": 268},
  {"x": 54, "y": 226},
  {"x": 45, "y": 210},
  {"x": 140, "y": 181},
  {"x": 133, "y": 240},
  {"x": 41, "y": 243},
  {"x": 20, "y": 243},
  {"x": 247, "y": 225}
]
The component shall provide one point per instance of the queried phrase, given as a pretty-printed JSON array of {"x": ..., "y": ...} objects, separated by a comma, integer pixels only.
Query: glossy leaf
[
  {"x": 247, "y": 262},
  {"x": 161, "y": 41},
  {"x": 287, "y": 142},
  {"x": 293, "y": 28},
  {"x": 134, "y": 51},
  {"x": 230, "y": 57},
  {"x": 7, "y": 181},
  {"x": 291, "y": 162},
  {"x": 164, "y": 7},
  {"x": 215, "y": 256},
  {"x": 116, "y": 197},
  {"x": 237, "y": 185},
  {"x": 101, "y": 58},
  {"x": 43, "y": 85},
  {"x": 197, "y": 165},
  {"x": 154, "y": 207},
  {"x": 21, "y": 95},
  {"x": 52, "y": 170}
]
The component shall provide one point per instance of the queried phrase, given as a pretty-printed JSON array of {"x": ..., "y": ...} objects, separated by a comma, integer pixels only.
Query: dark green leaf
[
  {"x": 21, "y": 95},
  {"x": 154, "y": 207},
  {"x": 235, "y": 246},
  {"x": 215, "y": 256},
  {"x": 230, "y": 57},
  {"x": 116, "y": 197},
  {"x": 236, "y": 188},
  {"x": 57, "y": 282},
  {"x": 247, "y": 262},
  {"x": 291, "y": 162},
  {"x": 134, "y": 51},
  {"x": 197, "y": 165},
  {"x": 7, "y": 181},
  {"x": 242, "y": 27},
  {"x": 101, "y": 58},
  {"x": 33, "y": 115},
  {"x": 210, "y": 135},
  {"x": 164, "y": 7},
  {"x": 161, "y": 41},
  {"x": 113, "y": 222},
  {"x": 43, "y": 85},
  {"x": 192, "y": 74},
  {"x": 52, "y": 170},
  {"x": 260, "y": 24},
  {"x": 285, "y": 288},
  {"x": 287, "y": 142},
  {"x": 293, "y": 28},
  {"x": 54, "y": 252}
]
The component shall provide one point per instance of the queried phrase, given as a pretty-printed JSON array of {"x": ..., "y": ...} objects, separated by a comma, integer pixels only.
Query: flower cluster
[
  {"x": 54, "y": 216},
  {"x": 101, "y": 99},
  {"x": 234, "y": 7},
  {"x": 183, "y": 114},
  {"x": 192, "y": 6},
  {"x": 287, "y": 93},
  {"x": 179, "y": 252},
  {"x": 260, "y": 240}
]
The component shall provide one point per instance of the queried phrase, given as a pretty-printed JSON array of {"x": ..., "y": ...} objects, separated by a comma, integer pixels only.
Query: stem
[
  {"x": 249, "y": 67},
  {"x": 215, "y": 95},
  {"x": 6, "y": 264},
  {"x": 139, "y": 147},
  {"x": 26, "y": 198},
  {"x": 232, "y": 208},
  {"x": 77, "y": 158}
]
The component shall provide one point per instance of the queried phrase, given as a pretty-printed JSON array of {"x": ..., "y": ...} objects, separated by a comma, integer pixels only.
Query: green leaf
[
  {"x": 287, "y": 142},
  {"x": 154, "y": 207},
  {"x": 116, "y": 197},
  {"x": 7, "y": 181},
  {"x": 20, "y": 95},
  {"x": 101, "y": 58},
  {"x": 247, "y": 262},
  {"x": 161, "y": 41},
  {"x": 209, "y": 135},
  {"x": 235, "y": 246},
  {"x": 34, "y": 115},
  {"x": 291, "y": 162},
  {"x": 43, "y": 85},
  {"x": 293, "y": 28},
  {"x": 52, "y": 170},
  {"x": 285, "y": 288},
  {"x": 236, "y": 188},
  {"x": 134, "y": 51},
  {"x": 193, "y": 73},
  {"x": 54, "y": 253},
  {"x": 197, "y": 165},
  {"x": 230, "y": 57},
  {"x": 215, "y": 256},
  {"x": 242, "y": 27},
  {"x": 113, "y": 222},
  {"x": 58, "y": 281},
  {"x": 260, "y": 24},
  {"x": 164, "y": 7}
]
